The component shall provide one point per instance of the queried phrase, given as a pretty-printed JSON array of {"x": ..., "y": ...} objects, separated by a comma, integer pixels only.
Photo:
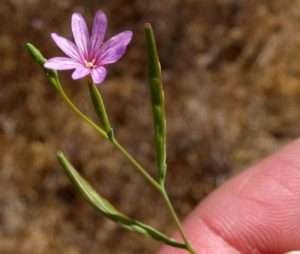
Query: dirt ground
[{"x": 231, "y": 74}]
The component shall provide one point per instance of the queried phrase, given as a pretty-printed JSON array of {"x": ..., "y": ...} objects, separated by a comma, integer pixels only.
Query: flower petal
[
  {"x": 115, "y": 47},
  {"x": 66, "y": 46},
  {"x": 122, "y": 38},
  {"x": 98, "y": 32},
  {"x": 98, "y": 75},
  {"x": 61, "y": 63},
  {"x": 80, "y": 72},
  {"x": 80, "y": 34}
]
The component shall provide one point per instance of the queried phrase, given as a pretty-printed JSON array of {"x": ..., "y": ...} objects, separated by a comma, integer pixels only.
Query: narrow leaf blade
[
  {"x": 157, "y": 100},
  {"x": 108, "y": 210}
]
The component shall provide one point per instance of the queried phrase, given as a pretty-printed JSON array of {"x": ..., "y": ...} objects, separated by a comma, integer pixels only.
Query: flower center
[{"x": 90, "y": 64}]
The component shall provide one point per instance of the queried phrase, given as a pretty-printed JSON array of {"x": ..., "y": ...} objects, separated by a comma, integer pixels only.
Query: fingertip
[{"x": 257, "y": 211}]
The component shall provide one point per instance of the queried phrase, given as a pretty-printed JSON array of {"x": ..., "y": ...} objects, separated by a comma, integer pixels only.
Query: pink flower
[{"x": 89, "y": 54}]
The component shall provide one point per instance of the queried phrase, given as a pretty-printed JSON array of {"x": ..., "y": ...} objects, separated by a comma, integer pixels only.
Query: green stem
[
  {"x": 82, "y": 115},
  {"x": 160, "y": 188},
  {"x": 176, "y": 220},
  {"x": 136, "y": 164}
]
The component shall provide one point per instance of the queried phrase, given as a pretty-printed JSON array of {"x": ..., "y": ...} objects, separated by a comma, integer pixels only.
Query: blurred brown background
[{"x": 231, "y": 71}]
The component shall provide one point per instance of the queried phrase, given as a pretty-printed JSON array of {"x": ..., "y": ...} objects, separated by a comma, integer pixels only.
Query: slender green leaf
[
  {"x": 157, "y": 99},
  {"x": 38, "y": 57},
  {"x": 100, "y": 108},
  {"x": 108, "y": 210}
]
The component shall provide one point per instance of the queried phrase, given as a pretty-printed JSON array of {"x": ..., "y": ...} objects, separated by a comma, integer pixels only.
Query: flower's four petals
[
  {"x": 114, "y": 48},
  {"x": 80, "y": 72},
  {"x": 98, "y": 32},
  {"x": 98, "y": 75},
  {"x": 68, "y": 47},
  {"x": 61, "y": 63},
  {"x": 80, "y": 34}
]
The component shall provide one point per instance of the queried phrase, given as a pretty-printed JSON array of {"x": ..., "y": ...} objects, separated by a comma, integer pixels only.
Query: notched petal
[
  {"x": 80, "y": 72},
  {"x": 80, "y": 33},
  {"x": 98, "y": 75},
  {"x": 121, "y": 39},
  {"x": 98, "y": 31},
  {"x": 115, "y": 47},
  {"x": 67, "y": 46},
  {"x": 112, "y": 55},
  {"x": 61, "y": 63}
]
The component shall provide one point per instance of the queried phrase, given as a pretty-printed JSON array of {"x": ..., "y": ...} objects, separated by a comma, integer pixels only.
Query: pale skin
[{"x": 256, "y": 212}]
